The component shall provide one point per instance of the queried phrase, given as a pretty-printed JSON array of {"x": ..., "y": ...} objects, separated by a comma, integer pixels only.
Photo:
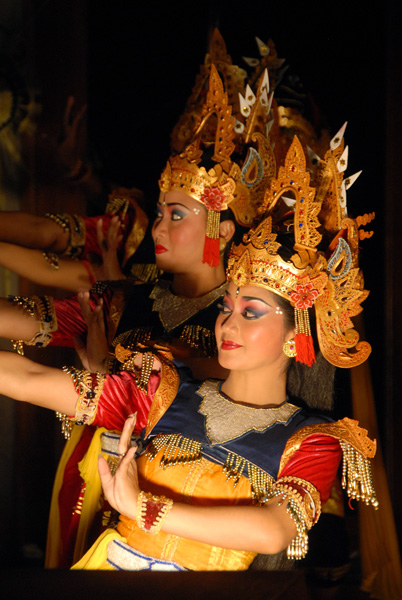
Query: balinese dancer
[{"x": 229, "y": 468}]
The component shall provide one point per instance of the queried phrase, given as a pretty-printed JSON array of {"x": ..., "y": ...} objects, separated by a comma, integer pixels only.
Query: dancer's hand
[
  {"x": 121, "y": 489},
  {"x": 94, "y": 352},
  {"x": 109, "y": 245}
]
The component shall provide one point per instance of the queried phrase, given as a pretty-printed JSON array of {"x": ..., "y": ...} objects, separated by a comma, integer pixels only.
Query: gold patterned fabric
[{"x": 174, "y": 310}]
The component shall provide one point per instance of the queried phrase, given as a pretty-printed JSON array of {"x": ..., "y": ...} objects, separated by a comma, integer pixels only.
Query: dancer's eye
[
  {"x": 251, "y": 314},
  {"x": 224, "y": 308},
  {"x": 177, "y": 215},
  {"x": 158, "y": 213}
]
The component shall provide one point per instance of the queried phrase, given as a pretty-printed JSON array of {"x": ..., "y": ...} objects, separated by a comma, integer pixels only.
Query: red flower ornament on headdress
[
  {"x": 213, "y": 198},
  {"x": 304, "y": 296}
]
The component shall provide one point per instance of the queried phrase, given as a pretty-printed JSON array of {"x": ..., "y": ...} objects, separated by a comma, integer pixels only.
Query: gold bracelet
[
  {"x": 42, "y": 309},
  {"x": 89, "y": 389},
  {"x": 303, "y": 507},
  {"x": 152, "y": 511},
  {"x": 52, "y": 259}
]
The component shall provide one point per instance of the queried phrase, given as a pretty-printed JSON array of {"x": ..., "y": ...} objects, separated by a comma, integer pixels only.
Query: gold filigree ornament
[
  {"x": 233, "y": 78},
  {"x": 239, "y": 185},
  {"x": 327, "y": 279}
]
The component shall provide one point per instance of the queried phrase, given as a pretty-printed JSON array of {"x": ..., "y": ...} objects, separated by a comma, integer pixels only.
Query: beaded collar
[
  {"x": 226, "y": 420},
  {"x": 174, "y": 310}
]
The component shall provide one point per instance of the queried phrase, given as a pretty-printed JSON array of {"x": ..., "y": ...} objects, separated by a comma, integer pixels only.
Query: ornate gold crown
[
  {"x": 238, "y": 185},
  {"x": 234, "y": 82},
  {"x": 330, "y": 280}
]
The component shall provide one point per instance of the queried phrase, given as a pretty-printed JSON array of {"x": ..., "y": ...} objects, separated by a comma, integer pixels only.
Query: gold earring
[
  {"x": 289, "y": 348},
  {"x": 222, "y": 244}
]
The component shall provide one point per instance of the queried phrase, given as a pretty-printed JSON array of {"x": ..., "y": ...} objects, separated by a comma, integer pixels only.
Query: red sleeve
[
  {"x": 121, "y": 397},
  {"x": 317, "y": 461},
  {"x": 91, "y": 236},
  {"x": 70, "y": 321}
]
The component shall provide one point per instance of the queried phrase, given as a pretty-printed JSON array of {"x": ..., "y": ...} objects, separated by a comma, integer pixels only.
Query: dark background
[{"x": 134, "y": 64}]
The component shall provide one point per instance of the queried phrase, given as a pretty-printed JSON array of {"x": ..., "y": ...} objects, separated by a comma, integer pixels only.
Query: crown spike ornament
[
  {"x": 323, "y": 272},
  {"x": 236, "y": 184}
]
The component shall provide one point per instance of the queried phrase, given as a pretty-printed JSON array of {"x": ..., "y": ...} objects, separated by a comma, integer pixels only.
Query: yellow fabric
[
  {"x": 95, "y": 558},
  {"x": 53, "y": 544},
  {"x": 137, "y": 232},
  {"x": 195, "y": 484},
  {"x": 381, "y": 563},
  {"x": 88, "y": 468},
  {"x": 200, "y": 484}
]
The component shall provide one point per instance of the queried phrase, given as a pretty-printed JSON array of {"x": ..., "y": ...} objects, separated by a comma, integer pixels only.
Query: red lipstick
[
  {"x": 159, "y": 249},
  {"x": 229, "y": 345}
]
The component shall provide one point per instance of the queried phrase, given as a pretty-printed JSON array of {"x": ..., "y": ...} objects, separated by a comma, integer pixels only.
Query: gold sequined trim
[
  {"x": 227, "y": 420},
  {"x": 199, "y": 337},
  {"x": 166, "y": 392},
  {"x": 129, "y": 340},
  {"x": 303, "y": 506},
  {"x": 127, "y": 358},
  {"x": 356, "y": 475},
  {"x": 145, "y": 272},
  {"x": 261, "y": 482},
  {"x": 174, "y": 310},
  {"x": 178, "y": 450}
]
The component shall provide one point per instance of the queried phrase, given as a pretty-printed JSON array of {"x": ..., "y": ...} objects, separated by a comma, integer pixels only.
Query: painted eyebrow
[
  {"x": 248, "y": 298},
  {"x": 173, "y": 204}
]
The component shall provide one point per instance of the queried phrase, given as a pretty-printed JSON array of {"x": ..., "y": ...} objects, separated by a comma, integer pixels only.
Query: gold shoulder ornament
[{"x": 357, "y": 449}]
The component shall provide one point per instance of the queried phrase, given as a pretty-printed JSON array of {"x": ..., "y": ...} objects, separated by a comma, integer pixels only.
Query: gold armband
[
  {"x": 303, "y": 507},
  {"x": 89, "y": 388},
  {"x": 74, "y": 225},
  {"x": 42, "y": 309}
]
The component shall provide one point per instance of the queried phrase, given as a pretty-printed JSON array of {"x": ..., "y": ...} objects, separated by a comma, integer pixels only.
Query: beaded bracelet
[
  {"x": 42, "y": 309},
  {"x": 52, "y": 259},
  {"x": 74, "y": 226},
  {"x": 303, "y": 507},
  {"x": 152, "y": 511},
  {"x": 89, "y": 388}
]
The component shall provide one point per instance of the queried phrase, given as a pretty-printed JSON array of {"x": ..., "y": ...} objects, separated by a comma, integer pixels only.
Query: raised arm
[
  {"x": 104, "y": 400},
  {"x": 32, "y": 231},
  {"x": 22, "y": 379},
  {"x": 40, "y": 320},
  {"x": 47, "y": 269},
  {"x": 15, "y": 323}
]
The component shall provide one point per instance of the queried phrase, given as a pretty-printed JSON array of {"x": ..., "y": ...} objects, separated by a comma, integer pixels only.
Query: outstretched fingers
[{"x": 125, "y": 438}]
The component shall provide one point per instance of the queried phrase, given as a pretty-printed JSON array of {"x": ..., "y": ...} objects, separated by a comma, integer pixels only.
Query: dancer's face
[
  {"x": 179, "y": 232},
  {"x": 250, "y": 330}
]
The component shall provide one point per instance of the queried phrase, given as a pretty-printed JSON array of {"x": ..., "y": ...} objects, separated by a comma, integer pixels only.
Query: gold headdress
[
  {"x": 238, "y": 185},
  {"x": 233, "y": 78},
  {"x": 330, "y": 280}
]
